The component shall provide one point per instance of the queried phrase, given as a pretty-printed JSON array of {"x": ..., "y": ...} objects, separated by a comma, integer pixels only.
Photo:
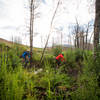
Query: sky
[{"x": 14, "y": 20}]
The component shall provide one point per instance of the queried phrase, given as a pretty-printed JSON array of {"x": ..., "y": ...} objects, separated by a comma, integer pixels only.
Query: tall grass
[{"x": 67, "y": 82}]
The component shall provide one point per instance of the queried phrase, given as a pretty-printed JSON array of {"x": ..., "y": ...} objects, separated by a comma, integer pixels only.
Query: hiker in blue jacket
[{"x": 26, "y": 57}]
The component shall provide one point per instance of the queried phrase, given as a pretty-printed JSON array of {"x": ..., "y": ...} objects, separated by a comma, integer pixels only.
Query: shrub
[{"x": 57, "y": 50}]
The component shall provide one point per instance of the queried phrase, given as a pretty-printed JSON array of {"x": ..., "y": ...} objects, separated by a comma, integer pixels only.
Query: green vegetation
[{"x": 76, "y": 79}]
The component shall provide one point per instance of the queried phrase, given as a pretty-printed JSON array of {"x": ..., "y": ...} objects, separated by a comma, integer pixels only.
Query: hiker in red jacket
[{"x": 60, "y": 59}]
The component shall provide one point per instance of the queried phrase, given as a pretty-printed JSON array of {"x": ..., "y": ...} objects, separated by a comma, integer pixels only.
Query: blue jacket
[{"x": 26, "y": 54}]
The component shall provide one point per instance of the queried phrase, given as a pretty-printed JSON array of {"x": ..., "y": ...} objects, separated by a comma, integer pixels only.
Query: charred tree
[
  {"x": 96, "y": 27},
  {"x": 31, "y": 29}
]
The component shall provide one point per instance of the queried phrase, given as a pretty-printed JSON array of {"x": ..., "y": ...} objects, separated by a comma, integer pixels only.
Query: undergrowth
[{"x": 77, "y": 79}]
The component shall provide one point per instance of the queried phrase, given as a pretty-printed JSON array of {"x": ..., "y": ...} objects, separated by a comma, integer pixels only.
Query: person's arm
[{"x": 62, "y": 58}]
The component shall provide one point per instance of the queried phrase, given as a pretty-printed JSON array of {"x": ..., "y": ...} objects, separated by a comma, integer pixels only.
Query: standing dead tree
[
  {"x": 96, "y": 27},
  {"x": 79, "y": 34},
  {"x": 81, "y": 37},
  {"x": 32, "y": 7},
  {"x": 89, "y": 45},
  {"x": 49, "y": 31},
  {"x": 75, "y": 31},
  {"x": 87, "y": 31},
  {"x": 31, "y": 29}
]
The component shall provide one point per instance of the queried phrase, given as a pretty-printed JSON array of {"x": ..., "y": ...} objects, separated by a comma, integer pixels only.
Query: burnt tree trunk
[
  {"x": 83, "y": 43},
  {"x": 86, "y": 45},
  {"x": 75, "y": 43},
  {"x": 77, "y": 40},
  {"x": 77, "y": 34},
  {"x": 96, "y": 27},
  {"x": 31, "y": 29}
]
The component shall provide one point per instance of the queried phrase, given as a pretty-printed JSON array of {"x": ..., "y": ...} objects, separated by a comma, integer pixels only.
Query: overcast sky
[{"x": 14, "y": 18}]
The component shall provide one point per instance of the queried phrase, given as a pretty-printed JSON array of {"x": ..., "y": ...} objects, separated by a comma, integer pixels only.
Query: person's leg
[
  {"x": 23, "y": 61},
  {"x": 26, "y": 61},
  {"x": 58, "y": 63}
]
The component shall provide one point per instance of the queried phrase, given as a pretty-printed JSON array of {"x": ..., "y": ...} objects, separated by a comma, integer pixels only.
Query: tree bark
[
  {"x": 77, "y": 39},
  {"x": 31, "y": 29},
  {"x": 77, "y": 33},
  {"x": 83, "y": 43},
  {"x": 86, "y": 44},
  {"x": 96, "y": 27},
  {"x": 75, "y": 42}
]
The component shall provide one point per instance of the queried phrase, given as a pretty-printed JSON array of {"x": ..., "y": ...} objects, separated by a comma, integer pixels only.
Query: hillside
[
  {"x": 5, "y": 42},
  {"x": 9, "y": 43}
]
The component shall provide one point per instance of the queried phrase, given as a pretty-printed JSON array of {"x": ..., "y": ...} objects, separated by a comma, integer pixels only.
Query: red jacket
[{"x": 60, "y": 58}]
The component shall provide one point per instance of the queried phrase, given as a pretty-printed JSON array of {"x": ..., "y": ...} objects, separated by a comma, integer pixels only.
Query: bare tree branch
[{"x": 49, "y": 31}]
